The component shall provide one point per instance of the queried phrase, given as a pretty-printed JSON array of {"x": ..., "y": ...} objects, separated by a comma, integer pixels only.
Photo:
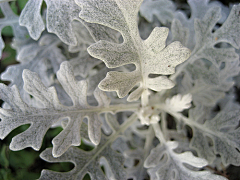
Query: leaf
[
  {"x": 83, "y": 64},
  {"x": 10, "y": 19},
  {"x": 162, "y": 9},
  {"x": 163, "y": 163},
  {"x": 87, "y": 162},
  {"x": 224, "y": 133},
  {"x": 206, "y": 39},
  {"x": 179, "y": 102},
  {"x": 31, "y": 18},
  {"x": 199, "y": 9},
  {"x": 60, "y": 14},
  {"x": 150, "y": 56},
  {"x": 136, "y": 171},
  {"x": 209, "y": 84},
  {"x": 229, "y": 30},
  {"x": 41, "y": 119},
  {"x": 43, "y": 57},
  {"x": 84, "y": 39}
]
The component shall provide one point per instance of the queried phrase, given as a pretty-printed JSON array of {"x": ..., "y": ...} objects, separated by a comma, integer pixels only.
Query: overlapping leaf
[
  {"x": 87, "y": 162},
  {"x": 10, "y": 19},
  {"x": 43, "y": 57},
  {"x": 150, "y": 56},
  {"x": 199, "y": 9},
  {"x": 164, "y": 163},
  {"x": 224, "y": 133},
  {"x": 162, "y": 9},
  {"x": 60, "y": 14},
  {"x": 209, "y": 84},
  {"x": 206, "y": 40},
  {"x": 41, "y": 120}
]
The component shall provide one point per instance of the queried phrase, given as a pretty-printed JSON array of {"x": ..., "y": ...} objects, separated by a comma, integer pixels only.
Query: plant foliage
[{"x": 140, "y": 90}]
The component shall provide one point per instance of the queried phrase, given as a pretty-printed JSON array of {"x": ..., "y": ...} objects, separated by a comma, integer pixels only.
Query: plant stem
[{"x": 158, "y": 133}]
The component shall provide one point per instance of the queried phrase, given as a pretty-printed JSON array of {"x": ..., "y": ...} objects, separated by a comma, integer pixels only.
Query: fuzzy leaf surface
[
  {"x": 10, "y": 19},
  {"x": 224, "y": 133},
  {"x": 150, "y": 56},
  {"x": 41, "y": 119},
  {"x": 178, "y": 102},
  {"x": 163, "y": 163},
  {"x": 43, "y": 57},
  {"x": 162, "y": 9},
  {"x": 60, "y": 14},
  {"x": 87, "y": 162}
]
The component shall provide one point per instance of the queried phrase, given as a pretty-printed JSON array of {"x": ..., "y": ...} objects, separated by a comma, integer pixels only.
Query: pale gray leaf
[
  {"x": 163, "y": 163},
  {"x": 86, "y": 162},
  {"x": 31, "y": 18},
  {"x": 149, "y": 56},
  {"x": 224, "y": 133},
  {"x": 162, "y": 9},
  {"x": 41, "y": 119}
]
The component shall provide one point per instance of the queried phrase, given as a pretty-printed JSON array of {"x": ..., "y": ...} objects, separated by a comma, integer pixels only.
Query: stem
[
  {"x": 163, "y": 122},
  {"x": 158, "y": 133},
  {"x": 144, "y": 98},
  {"x": 114, "y": 136},
  {"x": 186, "y": 120},
  {"x": 149, "y": 138}
]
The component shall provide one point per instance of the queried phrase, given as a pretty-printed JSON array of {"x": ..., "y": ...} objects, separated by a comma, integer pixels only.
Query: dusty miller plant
[{"x": 115, "y": 74}]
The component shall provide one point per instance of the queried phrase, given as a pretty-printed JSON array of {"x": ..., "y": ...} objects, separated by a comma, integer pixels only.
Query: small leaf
[{"x": 179, "y": 102}]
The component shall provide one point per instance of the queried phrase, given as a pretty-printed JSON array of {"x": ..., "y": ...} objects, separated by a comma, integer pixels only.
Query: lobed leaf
[
  {"x": 150, "y": 56},
  {"x": 179, "y": 102},
  {"x": 162, "y": 9},
  {"x": 60, "y": 14},
  {"x": 41, "y": 119},
  {"x": 164, "y": 163},
  {"x": 224, "y": 133},
  {"x": 43, "y": 57},
  {"x": 10, "y": 19},
  {"x": 87, "y": 162}
]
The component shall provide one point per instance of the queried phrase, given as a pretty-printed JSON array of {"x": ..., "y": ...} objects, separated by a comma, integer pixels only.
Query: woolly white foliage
[
  {"x": 60, "y": 14},
  {"x": 52, "y": 111},
  {"x": 149, "y": 56},
  {"x": 178, "y": 102},
  {"x": 10, "y": 19},
  {"x": 224, "y": 132},
  {"x": 86, "y": 162},
  {"x": 89, "y": 30},
  {"x": 164, "y": 163}
]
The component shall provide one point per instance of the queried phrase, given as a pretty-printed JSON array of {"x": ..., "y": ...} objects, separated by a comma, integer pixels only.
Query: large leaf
[
  {"x": 209, "y": 84},
  {"x": 224, "y": 133},
  {"x": 87, "y": 162},
  {"x": 150, "y": 56},
  {"x": 41, "y": 119},
  {"x": 105, "y": 154},
  {"x": 163, "y": 163}
]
